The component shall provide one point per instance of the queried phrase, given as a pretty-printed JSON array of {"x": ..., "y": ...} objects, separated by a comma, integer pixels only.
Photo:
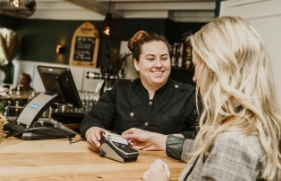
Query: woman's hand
[
  {"x": 145, "y": 140},
  {"x": 157, "y": 171},
  {"x": 137, "y": 136},
  {"x": 93, "y": 136},
  {"x": 142, "y": 146}
]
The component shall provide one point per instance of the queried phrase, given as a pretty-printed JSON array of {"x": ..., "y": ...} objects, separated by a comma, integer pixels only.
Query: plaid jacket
[{"x": 232, "y": 157}]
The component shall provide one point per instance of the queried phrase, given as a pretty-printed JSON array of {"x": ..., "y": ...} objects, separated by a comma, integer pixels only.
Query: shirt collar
[{"x": 139, "y": 87}]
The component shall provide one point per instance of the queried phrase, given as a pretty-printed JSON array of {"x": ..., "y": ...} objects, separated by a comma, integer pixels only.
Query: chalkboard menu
[{"x": 84, "y": 48}]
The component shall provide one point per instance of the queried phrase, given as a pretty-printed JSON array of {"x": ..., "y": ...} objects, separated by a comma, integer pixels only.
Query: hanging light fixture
[
  {"x": 18, "y": 8},
  {"x": 15, "y": 3},
  {"x": 108, "y": 28}
]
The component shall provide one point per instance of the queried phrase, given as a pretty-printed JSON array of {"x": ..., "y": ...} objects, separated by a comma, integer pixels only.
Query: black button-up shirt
[{"x": 127, "y": 105}]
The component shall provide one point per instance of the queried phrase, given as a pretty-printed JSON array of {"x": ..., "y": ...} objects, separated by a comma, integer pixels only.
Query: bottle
[
  {"x": 180, "y": 53},
  {"x": 188, "y": 62},
  {"x": 18, "y": 90},
  {"x": 174, "y": 58}
]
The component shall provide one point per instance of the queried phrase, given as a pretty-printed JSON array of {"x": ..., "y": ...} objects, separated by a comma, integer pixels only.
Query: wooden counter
[{"x": 57, "y": 159}]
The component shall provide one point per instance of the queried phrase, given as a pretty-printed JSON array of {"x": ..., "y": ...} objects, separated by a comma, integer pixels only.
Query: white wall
[
  {"x": 78, "y": 73},
  {"x": 265, "y": 16}
]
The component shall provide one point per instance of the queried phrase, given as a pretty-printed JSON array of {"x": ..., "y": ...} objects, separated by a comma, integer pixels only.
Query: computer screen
[{"x": 60, "y": 80}]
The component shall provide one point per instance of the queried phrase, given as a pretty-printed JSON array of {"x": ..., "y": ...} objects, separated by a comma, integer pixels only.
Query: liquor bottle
[
  {"x": 174, "y": 58},
  {"x": 180, "y": 53},
  {"x": 188, "y": 62}
]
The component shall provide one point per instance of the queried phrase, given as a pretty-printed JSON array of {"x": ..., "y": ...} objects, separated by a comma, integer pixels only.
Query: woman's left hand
[{"x": 157, "y": 171}]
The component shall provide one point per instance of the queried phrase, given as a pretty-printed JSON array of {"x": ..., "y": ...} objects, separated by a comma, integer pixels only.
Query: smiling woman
[
  {"x": 151, "y": 60},
  {"x": 152, "y": 102}
]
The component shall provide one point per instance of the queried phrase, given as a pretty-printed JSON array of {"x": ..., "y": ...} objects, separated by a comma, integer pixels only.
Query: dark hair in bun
[{"x": 135, "y": 43}]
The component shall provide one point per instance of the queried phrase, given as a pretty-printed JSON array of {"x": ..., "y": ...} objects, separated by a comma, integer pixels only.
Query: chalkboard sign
[{"x": 84, "y": 48}]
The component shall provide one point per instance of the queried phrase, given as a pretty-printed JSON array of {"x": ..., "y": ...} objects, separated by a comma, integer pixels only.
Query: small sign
[{"x": 84, "y": 46}]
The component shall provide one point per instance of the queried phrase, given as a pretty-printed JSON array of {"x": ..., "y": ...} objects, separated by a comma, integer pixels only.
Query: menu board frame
[{"x": 84, "y": 46}]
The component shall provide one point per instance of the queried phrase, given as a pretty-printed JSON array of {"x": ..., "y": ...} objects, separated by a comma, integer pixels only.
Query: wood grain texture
[{"x": 57, "y": 159}]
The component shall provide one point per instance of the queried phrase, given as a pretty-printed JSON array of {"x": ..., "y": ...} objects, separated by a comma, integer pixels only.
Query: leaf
[
  {"x": 4, "y": 47},
  {"x": 10, "y": 46}
]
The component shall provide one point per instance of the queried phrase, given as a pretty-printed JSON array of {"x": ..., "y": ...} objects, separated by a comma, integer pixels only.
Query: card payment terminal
[{"x": 115, "y": 147}]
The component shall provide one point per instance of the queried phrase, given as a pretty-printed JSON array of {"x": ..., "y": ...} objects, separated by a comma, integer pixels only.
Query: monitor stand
[
  {"x": 35, "y": 108},
  {"x": 31, "y": 112}
]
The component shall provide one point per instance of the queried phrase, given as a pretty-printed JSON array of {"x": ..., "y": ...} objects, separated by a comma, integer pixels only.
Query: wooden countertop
[{"x": 57, "y": 159}]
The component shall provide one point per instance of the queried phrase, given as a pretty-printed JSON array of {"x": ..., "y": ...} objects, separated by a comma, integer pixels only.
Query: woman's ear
[{"x": 136, "y": 64}]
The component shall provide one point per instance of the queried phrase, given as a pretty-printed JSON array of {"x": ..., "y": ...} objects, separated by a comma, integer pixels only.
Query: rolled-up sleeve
[{"x": 178, "y": 147}]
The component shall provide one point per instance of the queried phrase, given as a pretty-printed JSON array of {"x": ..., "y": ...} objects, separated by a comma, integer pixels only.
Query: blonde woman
[{"x": 240, "y": 124}]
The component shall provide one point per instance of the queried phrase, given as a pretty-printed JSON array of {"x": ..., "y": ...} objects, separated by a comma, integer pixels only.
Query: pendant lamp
[
  {"x": 108, "y": 28},
  {"x": 18, "y": 8}
]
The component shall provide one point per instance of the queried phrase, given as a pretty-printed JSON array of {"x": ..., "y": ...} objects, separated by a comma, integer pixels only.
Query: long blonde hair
[{"x": 237, "y": 73}]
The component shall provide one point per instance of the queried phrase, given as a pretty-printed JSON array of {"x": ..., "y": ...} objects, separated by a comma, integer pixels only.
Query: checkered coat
[{"x": 232, "y": 158}]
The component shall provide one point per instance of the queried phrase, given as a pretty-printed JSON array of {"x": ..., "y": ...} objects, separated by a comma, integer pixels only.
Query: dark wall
[
  {"x": 128, "y": 27},
  {"x": 9, "y": 22},
  {"x": 181, "y": 30},
  {"x": 40, "y": 37}
]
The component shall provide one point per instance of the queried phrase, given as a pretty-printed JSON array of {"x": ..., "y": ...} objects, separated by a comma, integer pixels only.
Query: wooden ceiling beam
[
  {"x": 166, "y": 6},
  {"x": 96, "y": 6},
  {"x": 132, "y": 1}
]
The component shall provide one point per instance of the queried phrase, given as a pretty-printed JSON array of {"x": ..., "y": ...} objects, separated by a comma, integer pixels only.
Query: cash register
[{"x": 60, "y": 89}]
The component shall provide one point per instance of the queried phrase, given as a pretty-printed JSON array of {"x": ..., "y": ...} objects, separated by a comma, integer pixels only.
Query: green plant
[
  {"x": 10, "y": 46},
  {"x": 117, "y": 62}
]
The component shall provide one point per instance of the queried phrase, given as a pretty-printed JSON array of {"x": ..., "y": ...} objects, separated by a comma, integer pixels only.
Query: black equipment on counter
[
  {"x": 115, "y": 147},
  {"x": 60, "y": 89}
]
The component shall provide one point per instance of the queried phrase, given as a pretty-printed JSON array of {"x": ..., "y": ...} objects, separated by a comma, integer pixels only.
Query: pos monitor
[
  {"x": 60, "y": 80},
  {"x": 60, "y": 89}
]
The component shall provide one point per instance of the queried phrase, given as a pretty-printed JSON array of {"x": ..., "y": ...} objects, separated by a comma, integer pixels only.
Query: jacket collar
[{"x": 139, "y": 87}]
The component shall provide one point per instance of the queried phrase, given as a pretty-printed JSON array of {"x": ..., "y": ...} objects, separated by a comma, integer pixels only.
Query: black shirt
[{"x": 127, "y": 105}]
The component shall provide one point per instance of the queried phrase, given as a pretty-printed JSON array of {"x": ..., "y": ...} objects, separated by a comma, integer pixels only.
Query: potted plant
[
  {"x": 114, "y": 68},
  {"x": 10, "y": 45}
]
